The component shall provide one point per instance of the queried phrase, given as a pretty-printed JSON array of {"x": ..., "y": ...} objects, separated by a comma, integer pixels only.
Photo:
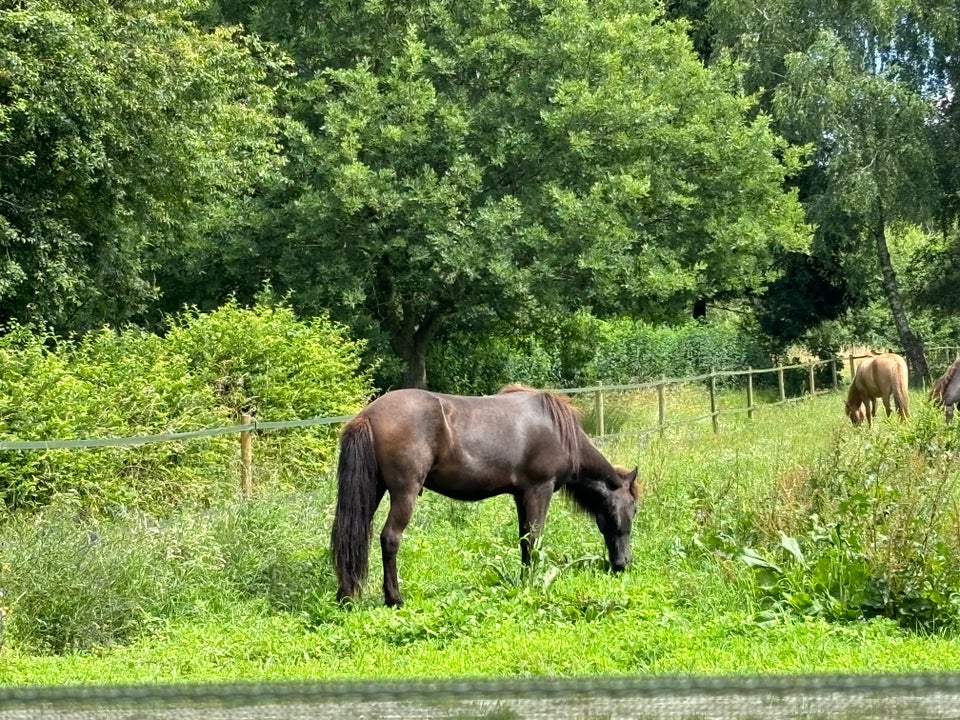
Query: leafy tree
[
  {"x": 124, "y": 129},
  {"x": 475, "y": 162},
  {"x": 869, "y": 85},
  {"x": 873, "y": 152}
]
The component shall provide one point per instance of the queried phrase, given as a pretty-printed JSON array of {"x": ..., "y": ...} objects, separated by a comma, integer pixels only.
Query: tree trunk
[
  {"x": 411, "y": 343},
  {"x": 912, "y": 345},
  {"x": 700, "y": 308},
  {"x": 415, "y": 371}
]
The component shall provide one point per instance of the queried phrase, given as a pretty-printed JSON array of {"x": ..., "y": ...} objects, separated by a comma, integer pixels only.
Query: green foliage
[
  {"x": 471, "y": 366},
  {"x": 248, "y": 592},
  {"x": 124, "y": 132},
  {"x": 130, "y": 383},
  {"x": 481, "y": 164},
  {"x": 634, "y": 351},
  {"x": 106, "y": 385},
  {"x": 874, "y": 533},
  {"x": 868, "y": 89},
  {"x": 584, "y": 350},
  {"x": 264, "y": 360}
]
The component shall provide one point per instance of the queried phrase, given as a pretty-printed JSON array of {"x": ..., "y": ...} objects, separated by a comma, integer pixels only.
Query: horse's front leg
[
  {"x": 401, "y": 510},
  {"x": 532, "y": 505}
]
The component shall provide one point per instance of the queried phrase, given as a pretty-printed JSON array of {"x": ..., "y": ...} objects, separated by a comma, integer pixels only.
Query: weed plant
[{"x": 872, "y": 530}]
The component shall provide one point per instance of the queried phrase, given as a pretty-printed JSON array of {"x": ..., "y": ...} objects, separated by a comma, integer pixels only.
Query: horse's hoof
[{"x": 394, "y": 602}]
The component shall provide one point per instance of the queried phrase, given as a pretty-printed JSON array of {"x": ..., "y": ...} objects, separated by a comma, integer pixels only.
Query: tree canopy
[
  {"x": 419, "y": 169},
  {"x": 517, "y": 160},
  {"x": 124, "y": 128},
  {"x": 870, "y": 86}
]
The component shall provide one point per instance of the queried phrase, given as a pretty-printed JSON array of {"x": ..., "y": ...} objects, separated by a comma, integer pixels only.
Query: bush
[
  {"x": 131, "y": 383},
  {"x": 479, "y": 367},
  {"x": 875, "y": 532},
  {"x": 582, "y": 350}
]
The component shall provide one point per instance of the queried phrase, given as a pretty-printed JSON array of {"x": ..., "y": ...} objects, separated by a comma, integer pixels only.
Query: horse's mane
[
  {"x": 564, "y": 415},
  {"x": 936, "y": 392},
  {"x": 516, "y": 387}
]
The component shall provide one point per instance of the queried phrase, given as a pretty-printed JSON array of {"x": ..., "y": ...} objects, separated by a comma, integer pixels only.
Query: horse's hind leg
[
  {"x": 886, "y": 405},
  {"x": 401, "y": 510}
]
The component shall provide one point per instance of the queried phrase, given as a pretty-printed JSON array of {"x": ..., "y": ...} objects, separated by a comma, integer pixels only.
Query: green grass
[{"x": 246, "y": 592}]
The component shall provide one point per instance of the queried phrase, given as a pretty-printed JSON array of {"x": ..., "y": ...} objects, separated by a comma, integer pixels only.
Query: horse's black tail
[{"x": 356, "y": 503}]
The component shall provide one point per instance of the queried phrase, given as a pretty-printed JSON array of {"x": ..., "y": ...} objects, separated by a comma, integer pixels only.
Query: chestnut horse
[
  {"x": 946, "y": 390},
  {"x": 521, "y": 442},
  {"x": 884, "y": 376}
]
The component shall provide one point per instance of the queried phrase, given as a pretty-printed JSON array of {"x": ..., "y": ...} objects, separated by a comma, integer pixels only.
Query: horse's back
[
  {"x": 464, "y": 443},
  {"x": 880, "y": 374},
  {"x": 406, "y": 425}
]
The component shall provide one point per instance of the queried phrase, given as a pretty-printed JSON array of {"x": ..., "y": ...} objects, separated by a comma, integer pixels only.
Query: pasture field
[{"x": 247, "y": 591}]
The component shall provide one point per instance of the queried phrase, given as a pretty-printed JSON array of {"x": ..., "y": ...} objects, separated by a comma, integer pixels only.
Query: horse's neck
[{"x": 592, "y": 462}]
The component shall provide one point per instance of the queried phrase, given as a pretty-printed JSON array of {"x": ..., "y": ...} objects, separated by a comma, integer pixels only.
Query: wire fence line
[{"x": 597, "y": 390}]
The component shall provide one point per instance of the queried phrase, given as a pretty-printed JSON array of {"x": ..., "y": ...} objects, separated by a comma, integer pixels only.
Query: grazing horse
[
  {"x": 520, "y": 442},
  {"x": 882, "y": 376},
  {"x": 946, "y": 390}
]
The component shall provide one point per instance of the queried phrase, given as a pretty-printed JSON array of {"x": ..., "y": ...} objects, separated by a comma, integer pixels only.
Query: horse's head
[
  {"x": 856, "y": 411},
  {"x": 615, "y": 517}
]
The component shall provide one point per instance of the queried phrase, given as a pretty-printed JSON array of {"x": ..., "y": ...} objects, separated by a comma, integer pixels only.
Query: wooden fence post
[
  {"x": 749, "y": 393},
  {"x": 833, "y": 372},
  {"x": 714, "y": 415},
  {"x": 781, "y": 384},
  {"x": 813, "y": 388},
  {"x": 852, "y": 368},
  {"x": 246, "y": 457},
  {"x": 601, "y": 429},
  {"x": 661, "y": 406}
]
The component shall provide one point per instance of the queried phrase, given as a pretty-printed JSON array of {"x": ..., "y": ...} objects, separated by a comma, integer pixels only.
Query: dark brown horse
[
  {"x": 520, "y": 442},
  {"x": 946, "y": 390},
  {"x": 881, "y": 376}
]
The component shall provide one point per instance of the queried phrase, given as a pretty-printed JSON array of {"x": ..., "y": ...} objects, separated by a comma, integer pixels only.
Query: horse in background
[
  {"x": 520, "y": 442},
  {"x": 946, "y": 390},
  {"x": 884, "y": 376}
]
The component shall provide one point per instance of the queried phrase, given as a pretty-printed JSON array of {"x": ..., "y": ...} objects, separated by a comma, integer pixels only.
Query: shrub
[
  {"x": 478, "y": 367},
  {"x": 131, "y": 383},
  {"x": 632, "y": 351},
  {"x": 877, "y": 535},
  {"x": 583, "y": 350}
]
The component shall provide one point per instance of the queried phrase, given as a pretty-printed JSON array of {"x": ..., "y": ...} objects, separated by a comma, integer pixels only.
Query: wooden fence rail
[{"x": 711, "y": 382}]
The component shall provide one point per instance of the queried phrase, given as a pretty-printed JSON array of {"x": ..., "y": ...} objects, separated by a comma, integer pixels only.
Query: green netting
[{"x": 852, "y": 697}]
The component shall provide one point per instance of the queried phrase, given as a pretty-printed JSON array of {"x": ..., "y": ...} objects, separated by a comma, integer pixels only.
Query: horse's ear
[{"x": 631, "y": 478}]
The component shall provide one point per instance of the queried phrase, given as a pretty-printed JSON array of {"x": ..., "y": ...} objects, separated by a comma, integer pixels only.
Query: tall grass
[{"x": 246, "y": 590}]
